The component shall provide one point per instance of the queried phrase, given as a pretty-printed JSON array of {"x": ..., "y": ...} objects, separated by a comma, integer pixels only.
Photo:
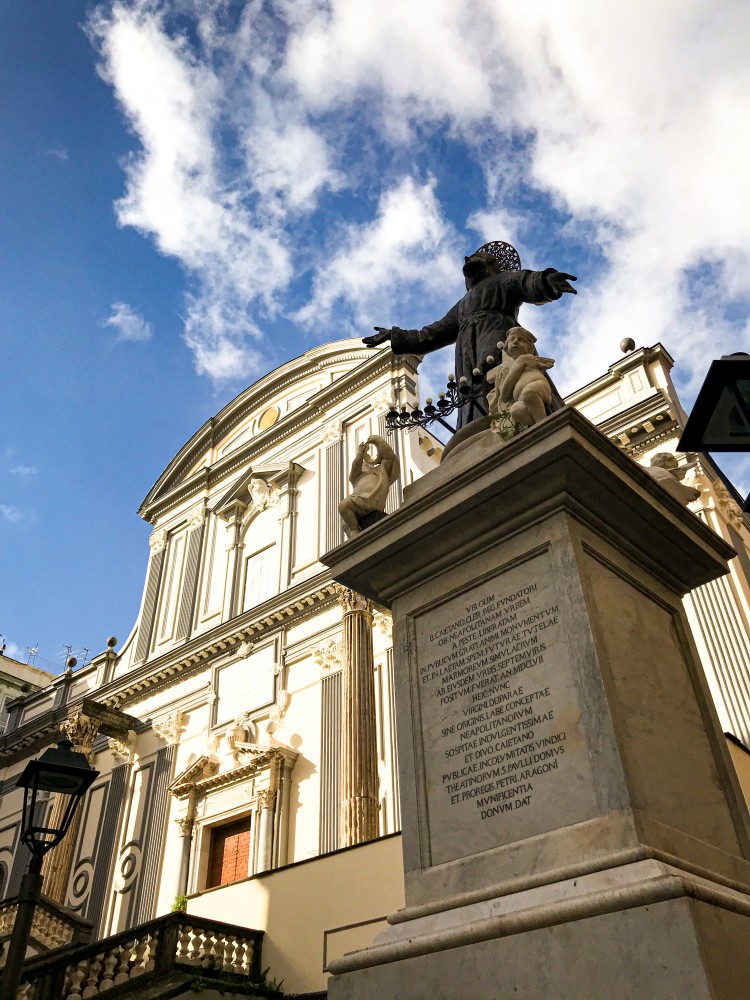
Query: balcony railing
[
  {"x": 146, "y": 959},
  {"x": 53, "y": 927}
]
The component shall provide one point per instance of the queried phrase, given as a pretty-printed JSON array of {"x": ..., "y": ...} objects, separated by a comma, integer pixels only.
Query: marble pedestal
[{"x": 572, "y": 823}]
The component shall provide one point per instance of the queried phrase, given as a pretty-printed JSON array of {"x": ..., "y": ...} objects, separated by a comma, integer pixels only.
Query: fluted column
[
  {"x": 81, "y": 731},
  {"x": 267, "y": 803},
  {"x": 185, "y": 824},
  {"x": 359, "y": 763}
]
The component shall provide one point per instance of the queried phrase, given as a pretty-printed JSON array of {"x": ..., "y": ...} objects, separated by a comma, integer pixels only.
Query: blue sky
[{"x": 195, "y": 191}]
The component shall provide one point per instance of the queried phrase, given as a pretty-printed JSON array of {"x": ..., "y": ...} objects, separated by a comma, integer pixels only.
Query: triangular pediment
[
  {"x": 202, "y": 767},
  {"x": 249, "y": 489}
]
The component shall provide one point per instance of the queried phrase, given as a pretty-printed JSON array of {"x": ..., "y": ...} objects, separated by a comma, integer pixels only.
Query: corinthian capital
[
  {"x": 80, "y": 730},
  {"x": 351, "y": 601},
  {"x": 170, "y": 728},
  {"x": 157, "y": 540},
  {"x": 266, "y": 798},
  {"x": 185, "y": 823}
]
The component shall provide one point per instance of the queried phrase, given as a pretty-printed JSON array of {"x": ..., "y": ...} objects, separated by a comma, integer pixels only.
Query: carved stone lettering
[{"x": 504, "y": 757}]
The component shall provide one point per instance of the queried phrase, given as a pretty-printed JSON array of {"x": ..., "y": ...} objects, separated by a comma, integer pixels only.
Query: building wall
[{"x": 226, "y": 700}]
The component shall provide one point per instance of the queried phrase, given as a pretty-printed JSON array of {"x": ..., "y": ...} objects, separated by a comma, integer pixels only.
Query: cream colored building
[{"x": 219, "y": 724}]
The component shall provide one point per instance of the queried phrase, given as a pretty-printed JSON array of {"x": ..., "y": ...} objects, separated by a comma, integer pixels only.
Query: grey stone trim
[
  {"x": 152, "y": 838},
  {"x": 190, "y": 583},
  {"x": 334, "y": 532},
  {"x": 108, "y": 826},
  {"x": 146, "y": 624},
  {"x": 330, "y": 762},
  {"x": 393, "y": 743}
]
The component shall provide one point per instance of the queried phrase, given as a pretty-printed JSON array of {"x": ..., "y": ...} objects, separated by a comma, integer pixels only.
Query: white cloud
[
  {"x": 10, "y": 514},
  {"x": 632, "y": 116},
  {"x": 218, "y": 214},
  {"x": 24, "y": 471},
  {"x": 629, "y": 121},
  {"x": 59, "y": 153},
  {"x": 128, "y": 324},
  {"x": 378, "y": 268}
]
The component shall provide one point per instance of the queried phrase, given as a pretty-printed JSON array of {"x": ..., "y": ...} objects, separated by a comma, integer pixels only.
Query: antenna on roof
[{"x": 32, "y": 651}]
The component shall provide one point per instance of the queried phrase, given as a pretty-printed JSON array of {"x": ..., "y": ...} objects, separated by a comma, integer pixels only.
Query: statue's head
[
  {"x": 519, "y": 341},
  {"x": 492, "y": 258},
  {"x": 664, "y": 460}
]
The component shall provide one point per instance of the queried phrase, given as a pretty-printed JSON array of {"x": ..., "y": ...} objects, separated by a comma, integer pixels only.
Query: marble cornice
[
  {"x": 235, "y": 411},
  {"x": 296, "y": 421},
  {"x": 291, "y": 607}
]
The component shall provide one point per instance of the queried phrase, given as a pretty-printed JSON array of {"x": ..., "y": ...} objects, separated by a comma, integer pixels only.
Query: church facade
[{"x": 228, "y": 729}]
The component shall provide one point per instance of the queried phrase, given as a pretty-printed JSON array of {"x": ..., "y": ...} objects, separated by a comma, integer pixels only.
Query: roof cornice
[{"x": 158, "y": 503}]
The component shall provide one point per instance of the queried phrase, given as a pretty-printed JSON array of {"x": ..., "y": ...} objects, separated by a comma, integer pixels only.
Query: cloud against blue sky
[
  {"x": 298, "y": 159},
  {"x": 196, "y": 191}
]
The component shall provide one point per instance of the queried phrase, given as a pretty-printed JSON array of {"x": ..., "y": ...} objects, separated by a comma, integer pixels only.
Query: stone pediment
[
  {"x": 202, "y": 767},
  {"x": 203, "y": 459},
  {"x": 255, "y": 488}
]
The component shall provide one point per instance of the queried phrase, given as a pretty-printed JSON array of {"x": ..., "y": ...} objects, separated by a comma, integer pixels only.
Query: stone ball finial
[
  {"x": 627, "y": 344},
  {"x": 111, "y": 642},
  {"x": 71, "y": 662}
]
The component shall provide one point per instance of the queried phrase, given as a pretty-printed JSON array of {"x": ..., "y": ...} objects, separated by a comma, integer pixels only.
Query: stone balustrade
[
  {"x": 53, "y": 926},
  {"x": 161, "y": 947}
]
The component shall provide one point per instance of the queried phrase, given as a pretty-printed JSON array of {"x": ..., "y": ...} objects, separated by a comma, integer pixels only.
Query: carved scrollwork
[
  {"x": 383, "y": 623},
  {"x": 80, "y": 730},
  {"x": 331, "y": 432},
  {"x": 328, "y": 657},
  {"x": 351, "y": 601},
  {"x": 262, "y": 496},
  {"x": 169, "y": 729},
  {"x": 186, "y": 824},
  {"x": 266, "y": 798},
  {"x": 157, "y": 540}
]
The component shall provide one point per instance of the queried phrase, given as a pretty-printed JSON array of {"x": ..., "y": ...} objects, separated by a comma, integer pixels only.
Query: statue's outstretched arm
[{"x": 429, "y": 338}]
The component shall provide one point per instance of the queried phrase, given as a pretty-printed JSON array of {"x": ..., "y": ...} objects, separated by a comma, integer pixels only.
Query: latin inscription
[{"x": 497, "y": 706}]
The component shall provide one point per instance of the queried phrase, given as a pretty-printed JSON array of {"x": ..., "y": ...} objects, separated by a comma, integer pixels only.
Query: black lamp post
[
  {"x": 68, "y": 773},
  {"x": 720, "y": 420}
]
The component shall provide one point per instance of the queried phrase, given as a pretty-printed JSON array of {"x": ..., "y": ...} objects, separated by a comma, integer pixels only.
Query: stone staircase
[{"x": 165, "y": 958}]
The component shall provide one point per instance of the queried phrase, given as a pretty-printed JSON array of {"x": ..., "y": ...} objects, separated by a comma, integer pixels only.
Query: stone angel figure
[
  {"x": 520, "y": 384},
  {"x": 371, "y": 477}
]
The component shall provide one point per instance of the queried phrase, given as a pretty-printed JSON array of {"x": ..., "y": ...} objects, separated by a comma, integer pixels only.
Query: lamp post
[
  {"x": 67, "y": 773},
  {"x": 720, "y": 420}
]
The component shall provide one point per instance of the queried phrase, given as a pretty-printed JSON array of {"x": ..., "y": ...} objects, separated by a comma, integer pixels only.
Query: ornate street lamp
[
  {"x": 68, "y": 773},
  {"x": 720, "y": 420}
]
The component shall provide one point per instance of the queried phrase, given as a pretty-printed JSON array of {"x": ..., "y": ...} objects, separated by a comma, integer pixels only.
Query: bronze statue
[{"x": 495, "y": 289}]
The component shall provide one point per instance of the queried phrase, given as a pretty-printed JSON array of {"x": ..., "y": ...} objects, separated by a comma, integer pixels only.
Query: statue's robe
[{"x": 476, "y": 324}]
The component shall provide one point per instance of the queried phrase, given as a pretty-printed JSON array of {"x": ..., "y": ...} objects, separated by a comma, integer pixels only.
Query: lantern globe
[{"x": 61, "y": 770}]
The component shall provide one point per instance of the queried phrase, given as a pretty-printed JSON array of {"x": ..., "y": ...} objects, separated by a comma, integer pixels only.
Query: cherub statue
[
  {"x": 520, "y": 383},
  {"x": 666, "y": 471},
  {"x": 371, "y": 479}
]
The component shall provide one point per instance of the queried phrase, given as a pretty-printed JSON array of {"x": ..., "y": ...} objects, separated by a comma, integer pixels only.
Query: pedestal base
[
  {"x": 644, "y": 930},
  {"x": 573, "y": 827}
]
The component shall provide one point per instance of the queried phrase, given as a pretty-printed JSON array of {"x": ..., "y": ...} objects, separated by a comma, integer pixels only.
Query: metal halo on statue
[{"x": 504, "y": 252}]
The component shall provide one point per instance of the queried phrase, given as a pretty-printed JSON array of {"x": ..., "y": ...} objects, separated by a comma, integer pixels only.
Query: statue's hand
[
  {"x": 378, "y": 338},
  {"x": 559, "y": 282}
]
